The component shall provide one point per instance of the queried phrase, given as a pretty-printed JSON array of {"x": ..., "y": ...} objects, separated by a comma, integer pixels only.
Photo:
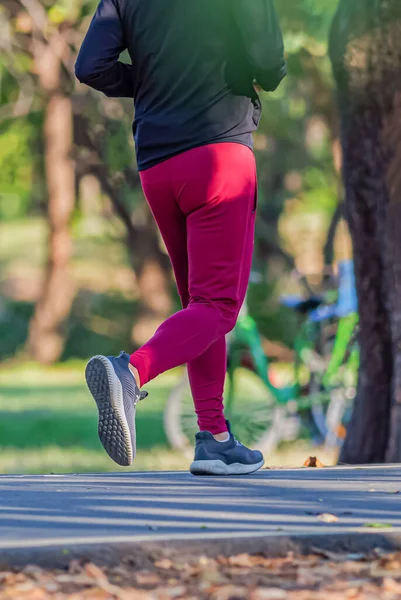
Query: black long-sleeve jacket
[{"x": 194, "y": 63}]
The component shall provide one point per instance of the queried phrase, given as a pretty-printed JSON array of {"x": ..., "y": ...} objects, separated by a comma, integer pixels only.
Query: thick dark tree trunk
[
  {"x": 47, "y": 332},
  {"x": 366, "y": 56}
]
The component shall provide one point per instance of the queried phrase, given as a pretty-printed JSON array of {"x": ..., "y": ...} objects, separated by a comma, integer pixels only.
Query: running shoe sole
[
  {"x": 218, "y": 467},
  {"x": 107, "y": 391}
]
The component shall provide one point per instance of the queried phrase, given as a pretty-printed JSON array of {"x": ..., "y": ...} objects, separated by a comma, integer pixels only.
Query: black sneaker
[
  {"x": 223, "y": 458},
  {"x": 116, "y": 394}
]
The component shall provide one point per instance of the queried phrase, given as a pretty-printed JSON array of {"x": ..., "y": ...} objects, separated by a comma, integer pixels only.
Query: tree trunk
[
  {"x": 47, "y": 331},
  {"x": 366, "y": 56}
]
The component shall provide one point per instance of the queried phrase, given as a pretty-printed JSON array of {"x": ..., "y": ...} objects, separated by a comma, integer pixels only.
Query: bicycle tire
[{"x": 330, "y": 417}]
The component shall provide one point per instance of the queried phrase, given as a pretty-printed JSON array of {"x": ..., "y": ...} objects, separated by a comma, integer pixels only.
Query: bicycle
[{"x": 319, "y": 399}]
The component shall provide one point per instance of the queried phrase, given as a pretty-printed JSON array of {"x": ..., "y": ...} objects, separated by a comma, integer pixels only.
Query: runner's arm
[
  {"x": 263, "y": 41},
  {"x": 97, "y": 64}
]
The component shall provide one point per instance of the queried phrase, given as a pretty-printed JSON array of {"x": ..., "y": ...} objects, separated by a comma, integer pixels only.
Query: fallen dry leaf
[
  {"x": 7, "y": 578},
  {"x": 268, "y": 594},
  {"x": 51, "y": 586},
  {"x": 228, "y": 592},
  {"x": 135, "y": 594},
  {"x": 241, "y": 560},
  {"x": 328, "y": 518},
  {"x": 147, "y": 579},
  {"x": 102, "y": 582},
  {"x": 15, "y": 593},
  {"x": 353, "y": 594},
  {"x": 378, "y": 572},
  {"x": 95, "y": 572},
  {"x": 391, "y": 585},
  {"x": 354, "y": 567},
  {"x": 174, "y": 592},
  {"x": 94, "y": 593},
  {"x": 391, "y": 563},
  {"x": 34, "y": 572},
  {"x": 312, "y": 461},
  {"x": 164, "y": 563}
]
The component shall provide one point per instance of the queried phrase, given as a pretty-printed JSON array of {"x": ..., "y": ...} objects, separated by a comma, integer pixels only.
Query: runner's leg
[{"x": 215, "y": 190}]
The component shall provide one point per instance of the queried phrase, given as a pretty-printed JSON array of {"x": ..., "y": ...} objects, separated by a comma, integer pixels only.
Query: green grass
[{"x": 48, "y": 423}]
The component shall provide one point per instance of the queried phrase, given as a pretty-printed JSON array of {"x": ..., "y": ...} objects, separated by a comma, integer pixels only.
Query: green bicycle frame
[
  {"x": 345, "y": 334},
  {"x": 246, "y": 335}
]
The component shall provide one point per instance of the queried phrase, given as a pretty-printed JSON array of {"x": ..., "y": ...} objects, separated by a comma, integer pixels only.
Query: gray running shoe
[
  {"x": 116, "y": 394},
  {"x": 224, "y": 458}
]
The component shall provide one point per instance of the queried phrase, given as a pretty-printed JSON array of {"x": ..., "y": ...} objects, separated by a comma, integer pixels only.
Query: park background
[{"x": 82, "y": 269}]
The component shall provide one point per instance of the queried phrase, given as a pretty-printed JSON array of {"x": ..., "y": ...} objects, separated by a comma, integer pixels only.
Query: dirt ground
[{"x": 321, "y": 576}]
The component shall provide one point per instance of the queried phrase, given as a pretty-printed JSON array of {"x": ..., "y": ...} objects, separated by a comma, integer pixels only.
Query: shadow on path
[{"x": 36, "y": 510}]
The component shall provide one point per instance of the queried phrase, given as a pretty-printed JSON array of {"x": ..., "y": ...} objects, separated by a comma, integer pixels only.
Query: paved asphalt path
[{"x": 42, "y": 513}]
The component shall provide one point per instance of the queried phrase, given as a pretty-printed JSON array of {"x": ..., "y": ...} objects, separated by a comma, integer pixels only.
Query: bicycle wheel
[
  {"x": 331, "y": 412},
  {"x": 255, "y": 417},
  {"x": 342, "y": 398},
  {"x": 332, "y": 387}
]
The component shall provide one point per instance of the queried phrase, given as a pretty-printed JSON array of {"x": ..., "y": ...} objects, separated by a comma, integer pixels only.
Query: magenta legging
[{"x": 204, "y": 203}]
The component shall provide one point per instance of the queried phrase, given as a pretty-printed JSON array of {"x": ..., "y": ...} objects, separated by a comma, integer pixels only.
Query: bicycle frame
[
  {"x": 246, "y": 334},
  {"x": 324, "y": 372}
]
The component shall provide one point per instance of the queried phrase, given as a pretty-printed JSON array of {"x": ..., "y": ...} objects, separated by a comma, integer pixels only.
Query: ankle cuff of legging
[
  {"x": 213, "y": 425},
  {"x": 140, "y": 366}
]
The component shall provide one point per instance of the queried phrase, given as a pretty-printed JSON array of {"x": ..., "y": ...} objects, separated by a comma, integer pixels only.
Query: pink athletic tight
[{"x": 204, "y": 203}]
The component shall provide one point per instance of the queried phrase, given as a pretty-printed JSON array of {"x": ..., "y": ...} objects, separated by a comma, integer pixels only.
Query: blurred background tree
[{"x": 80, "y": 134}]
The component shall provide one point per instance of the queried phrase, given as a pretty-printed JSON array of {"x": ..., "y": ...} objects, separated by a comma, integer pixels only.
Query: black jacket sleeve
[
  {"x": 97, "y": 65},
  {"x": 262, "y": 41}
]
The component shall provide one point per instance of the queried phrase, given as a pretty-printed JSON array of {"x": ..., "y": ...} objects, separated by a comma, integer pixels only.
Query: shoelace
[{"x": 141, "y": 396}]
